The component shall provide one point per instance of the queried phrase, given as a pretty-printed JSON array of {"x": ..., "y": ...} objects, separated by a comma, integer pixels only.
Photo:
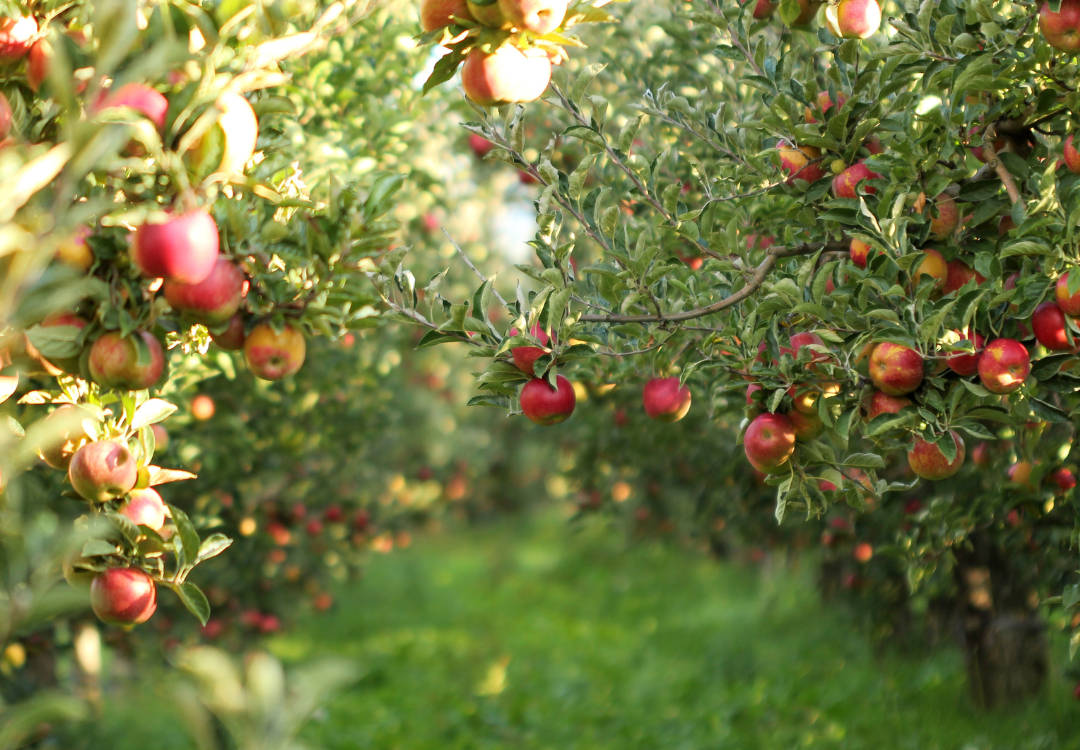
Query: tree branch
[{"x": 995, "y": 163}]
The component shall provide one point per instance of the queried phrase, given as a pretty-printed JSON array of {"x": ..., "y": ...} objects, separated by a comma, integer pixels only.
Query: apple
[
  {"x": 933, "y": 265},
  {"x": 546, "y": 405},
  {"x": 123, "y": 596},
  {"x": 845, "y": 184},
  {"x": 272, "y": 355},
  {"x": 928, "y": 462},
  {"x": 16, "y": 37},
  {"x": 1061, "y": 29},
  {"x": 525, "y": 356},
  {"x": 807, "y": 10},
  {"x": 231, "y": 337},
  {"x": 1048, "y": 322},
  {"x": 64, "y": 434},
  {"x": 958, "y": 274},
  {"x": 7, "y": 117},
  {"x": 824, "y": 104},
  {"x": 480, "y": 145},
  {"x": 1019, "y": 473},
  {"x": 859, "y": 252},
  {"x": 1004, "y": 365},
  {"x": 863, "y": 552},
  {"x": 161, "y": 437},
  {"x": 1070, "y": 152},
  {"x": 183, "y": 248},
  {"x": 962, "y": 362},
  {"x": 213, "y": 300},
  {"x": 437, "y": 14},
  {"x": 800, "y": 163},
  {"x": 1069, "y": 303},
  {"x": 145, "y": 100},
  {"x": 487, "y": 12},
  {"x": 537, "y": 16},
  {"x": 103, "y": 470},
  {"x": 762, "y": 8},
  {"x": 1063, "y": 478},
  {"x": 799, "y": 340},
  {"x": 895, "y": 369},
  {"x": 807, "y": 426},
  {"x": 945, "y": 217},
  {"x": 202, "y": 407},
  {"x": 145, "y": 508},
  {"x": 665, "y": 399},
  {"x": 506, "y": 75},
  {"x": 132, "y": 363},
  {"x": 878, "y": 403},
  {"x": 853, "y": 19},
  {"x": 38, "y": 62},
  {"x": 769, "y": 442},
  {"x": 74, "y": 251}
]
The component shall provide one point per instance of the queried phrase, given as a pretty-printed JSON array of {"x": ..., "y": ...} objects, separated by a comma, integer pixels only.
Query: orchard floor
[{"x": 534, "y": 634}]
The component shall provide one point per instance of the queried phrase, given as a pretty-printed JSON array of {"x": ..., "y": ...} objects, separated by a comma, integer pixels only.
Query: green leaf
[
  {"x": 151, "y": 412},
  {"x": 192, "y": 597},
  {"x": 189, "y": 537},
  {"x": 213, "y": 546}
]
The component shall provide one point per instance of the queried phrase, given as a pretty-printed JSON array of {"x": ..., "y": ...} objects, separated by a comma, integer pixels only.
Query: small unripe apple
[
  {"x": 845, "y": 184},
  {"x": 1048, "y": 323},
  {"x": 928, "y": 462},
  {"x": 213, "y": 300},
  {"x": 272, "y": 355},
  {"x": 796, "y": 162},
  {"x": 1004, "y": 365},
  {"x": 506, "y": 75},
  {"x": 103, "y": 470},
  {"x": 183, "y": 248},
  {"x": 769, "y": 442},
  {"x": 1069, "y": 303},
  {"x": 665, "y": 399},
  {"x": 895, "y": 369},
  {"x": 133, "y": 363},
  {"x": 437, "y": 14},
  {"x": 853, "y": 19},
  {"x": 123, "y": 596},
  {"x": 145, "y": 508},
  {"x": 1061, "y": 29},
  {"x": 546, "y": 405},
  {"x": 537, "y": 16},
  {"x": 1070, "y": 153}
]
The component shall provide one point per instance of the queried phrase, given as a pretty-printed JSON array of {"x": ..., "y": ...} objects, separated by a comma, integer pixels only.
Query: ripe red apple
[
  {"x": 231, "y": 337},
  {"x": 16, "y": 36},
  {"x": 487, "y": 12},
  {"x": 762, "y": 8},
  {"x": 480, "y": 145},
  {"x": 102, "y": 470},
  {"x": 799, "y": 340},
  {"x": 64, "y": 434},
  {"x": 928, "y": 462},
  {"x": 824, "y": 104},
  {"x": 945, "y": 217},
  {"x": 133, "y": 363},
  {"x": 7, "y": 117},
  {"x": 123, "y": 596},
  {"x": 272, "y": 355},
  {"x": 202, "y": 407},
  {"x": 980, "y": 454},
  {"x": 37, "y": 63},
  {"x": 859, "y": 252},
  {"x": 796, "y": 162},
  {"x": 537, "y": 16},
  {"x": 436, "y": 14},
  {"x": 145, "y": 508},
  {"x": 665, "y": 400},
  {"x": 1070, "y": 152},
  {"x": 853, "y": 19},
  {"x": 183, "y": 248},
  {"x": 1061, "y": 29},
  {"x": 1048, "y": 322},
  {"x": 863, "y": 552},
  {"x": 958, "y": 274},
  {"x": 895, "y": 369},
  {"x": 963, "y": 363},
  {"x": 1063, "y": 478},
  {"x": 878, "y": 403},
  {"x": 525, "y": 356},
  {"x": 933, "y": 265},
  {"x": 145, "y": 100},
  {"x": 1004, "y": 365},
  {"x": 546, "y": 405},
  {"x": 1069, "y": 303},
  {"x": 213, "y": 300},
  {"x": 506, "y": 75},
  {"x": 769, "y": 442},
  {"x": 845, "y": 184}
]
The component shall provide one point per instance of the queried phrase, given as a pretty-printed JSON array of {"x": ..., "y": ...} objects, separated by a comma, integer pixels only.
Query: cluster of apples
[
  {"x": 846, "y": 19},
  {"x": 509, "y": 69}
]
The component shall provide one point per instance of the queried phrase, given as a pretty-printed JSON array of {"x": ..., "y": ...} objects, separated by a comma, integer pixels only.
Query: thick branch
[{"x": 994, "y": 162}]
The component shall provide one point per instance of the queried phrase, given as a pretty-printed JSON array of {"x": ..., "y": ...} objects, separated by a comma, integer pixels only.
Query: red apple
[
  {"x": 1070, "y": 152},
  {"x": 762, "y": 8},
  {"x": 1061, "y": 29},
  {"x": 16, "y": 36},
  {"x": 959, "y": 273},
  {"x": 202, "y": 407},
  {"x": 980, "y": 454},
  {"x": 145, "y": 100},
  {"x": 123, "y": 596},
  {"x": 769, "y": 442},
  {"x": 863, "y": 552},
  {"x": 1048, "y": 322},
  {"x": 807, "y": 426},
  {"x": 963, "y": 363},
  {"x": 272, "y": 355},
  {"x": 845, "y": 184},
  {"x": 1004, "y": 365},
  {"x": 133, "y": 363},
  {"x": 7, "y": 117},
  {"x": 183, "y": 248},
  {"x": 480, "y": 145},
  {"x": 1069, "y": 303},
  {"x": 853, "y": 19},
  {"x": 436, "y": 14},
  {"x": 878, "y": 403},
  {"x": 800, "y": 340},
  {"x": 145, "y": 508},
  {"x": 102, "y": 470},
  {"x": 231, "y": 337},
  {"x": 525, "y": 356},
  {"x": 1019, "y": 473},
  {"x": 506, "y": 75},
  {"x": 546, "y": 405},
  {"x": 800, "y": 163},
  {"x": 895, "y": 369},
  {"x": 824, "y": 104},
  {"x": 945, "y": 217},
  {"x": 213, "y": 300},
  {"x": 1063, "y": 478},
  {"x": 859, "y": 252},
  {"x": 538, "y": 16},
  {"x": 933, "y": 265},
  {"x": 665, "y": 400},
  {"x": 928, "y": 462},
  {"x": 37, "y": 64}
]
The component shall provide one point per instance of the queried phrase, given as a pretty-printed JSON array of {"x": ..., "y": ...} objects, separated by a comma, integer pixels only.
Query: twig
[
  {"x": 994, "y": 162},
  {"x": 475, "y": 270}
]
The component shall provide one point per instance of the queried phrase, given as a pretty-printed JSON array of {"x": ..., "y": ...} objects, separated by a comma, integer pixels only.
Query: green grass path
[{"x": 533, "y": 634}]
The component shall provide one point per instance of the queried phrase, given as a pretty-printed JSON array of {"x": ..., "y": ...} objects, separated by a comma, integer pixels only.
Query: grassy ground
[{"x": 532, "y": 635}]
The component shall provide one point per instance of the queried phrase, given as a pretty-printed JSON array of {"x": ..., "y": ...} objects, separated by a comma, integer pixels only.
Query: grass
[{"x": 531, "y": 635}]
